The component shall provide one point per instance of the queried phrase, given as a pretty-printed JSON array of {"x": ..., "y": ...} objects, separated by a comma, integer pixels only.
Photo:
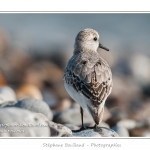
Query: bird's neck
[{"x": 78, "y": 49}]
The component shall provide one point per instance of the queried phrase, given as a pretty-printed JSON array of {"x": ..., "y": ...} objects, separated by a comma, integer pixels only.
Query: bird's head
[{"x": 87, "y": 39}]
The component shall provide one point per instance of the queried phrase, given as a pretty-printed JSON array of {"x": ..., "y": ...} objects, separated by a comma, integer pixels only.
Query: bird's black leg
[
  {"x": 81, "y": 111},
  {"x": 82, "y": 127}
]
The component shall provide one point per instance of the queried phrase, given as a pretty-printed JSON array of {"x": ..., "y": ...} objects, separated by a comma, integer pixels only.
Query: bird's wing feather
[{"x": 89, "y": 76}]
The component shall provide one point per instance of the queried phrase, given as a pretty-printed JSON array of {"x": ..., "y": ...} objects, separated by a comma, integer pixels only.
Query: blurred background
[{"x": 34, "y": 49}]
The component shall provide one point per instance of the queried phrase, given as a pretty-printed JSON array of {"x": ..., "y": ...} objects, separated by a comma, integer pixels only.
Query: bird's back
[{"x": 89, "y": 74}]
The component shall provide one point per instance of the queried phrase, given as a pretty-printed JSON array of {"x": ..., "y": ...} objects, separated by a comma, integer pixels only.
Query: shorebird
[{"x": 87, "y": 76}]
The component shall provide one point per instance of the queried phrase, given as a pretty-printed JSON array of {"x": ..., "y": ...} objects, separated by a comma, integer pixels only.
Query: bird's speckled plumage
[{"x": 88, "y": 75}]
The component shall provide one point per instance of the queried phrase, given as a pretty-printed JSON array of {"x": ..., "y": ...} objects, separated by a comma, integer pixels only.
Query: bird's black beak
[{"x": 101, "y": 46}]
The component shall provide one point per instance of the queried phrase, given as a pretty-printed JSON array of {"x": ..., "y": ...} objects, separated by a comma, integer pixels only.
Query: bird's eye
[{"x": 95, "y": 39}]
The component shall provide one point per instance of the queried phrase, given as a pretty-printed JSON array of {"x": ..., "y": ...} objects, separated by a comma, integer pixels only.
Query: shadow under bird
[{"x": 87, "y": 76}]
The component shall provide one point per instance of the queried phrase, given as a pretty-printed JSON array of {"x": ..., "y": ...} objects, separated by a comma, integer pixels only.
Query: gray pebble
[
  {"x": 128, "y": 123},
  {"x": 16, "y": 122},
  {"x": 33, "y": 105},
  {"x": 59, "y": 129},
  {"x": 121, "y": 130},
  {"x": 86, "y": 133},
  {"x": 7, "y": 94},
  {"x": 98, "y": 132}
]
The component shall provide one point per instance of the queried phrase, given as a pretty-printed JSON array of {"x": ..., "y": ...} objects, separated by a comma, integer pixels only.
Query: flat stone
[
  {"x": 59, "y": 129},
  {"x": 33, "y": 105},
  {"x": 98, "y": 132},
  {"x": 16, "y": 122},
  {"x": 86, "y": 133}
]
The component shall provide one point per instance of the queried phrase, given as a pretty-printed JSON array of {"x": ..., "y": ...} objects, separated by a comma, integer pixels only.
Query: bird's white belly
[
  {"x": 78, "y": 97},
  {"x": 83, "y": 101}
]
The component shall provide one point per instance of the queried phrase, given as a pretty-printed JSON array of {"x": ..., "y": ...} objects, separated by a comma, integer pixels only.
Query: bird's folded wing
[{"x": 90, "y": 77}]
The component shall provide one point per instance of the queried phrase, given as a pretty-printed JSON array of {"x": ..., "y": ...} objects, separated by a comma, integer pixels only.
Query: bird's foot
[{"x": 84, "y": 128}]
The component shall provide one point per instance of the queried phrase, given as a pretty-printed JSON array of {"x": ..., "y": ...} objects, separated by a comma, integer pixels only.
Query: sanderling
[{"x": 87, "y": 77}]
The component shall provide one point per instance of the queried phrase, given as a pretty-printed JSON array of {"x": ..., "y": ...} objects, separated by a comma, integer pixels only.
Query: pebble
[
  {"x": 146, "y": 134},
  {"x": 22, "y": 123},
  {"x": 59, "y": 129},
  {"x": 127, "y": 123},
  {"x": 32, "y": 105},
  {"x": 7, "y": 93},
  {"x": 98, "y": 132},
  {"x": 7, "y": 104},
  {"x": 29, "y": 91},
  {"x": 121, "y": 130},
  {"x": 86, "y": 133},
  {"x": 56, "y": 129}
]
